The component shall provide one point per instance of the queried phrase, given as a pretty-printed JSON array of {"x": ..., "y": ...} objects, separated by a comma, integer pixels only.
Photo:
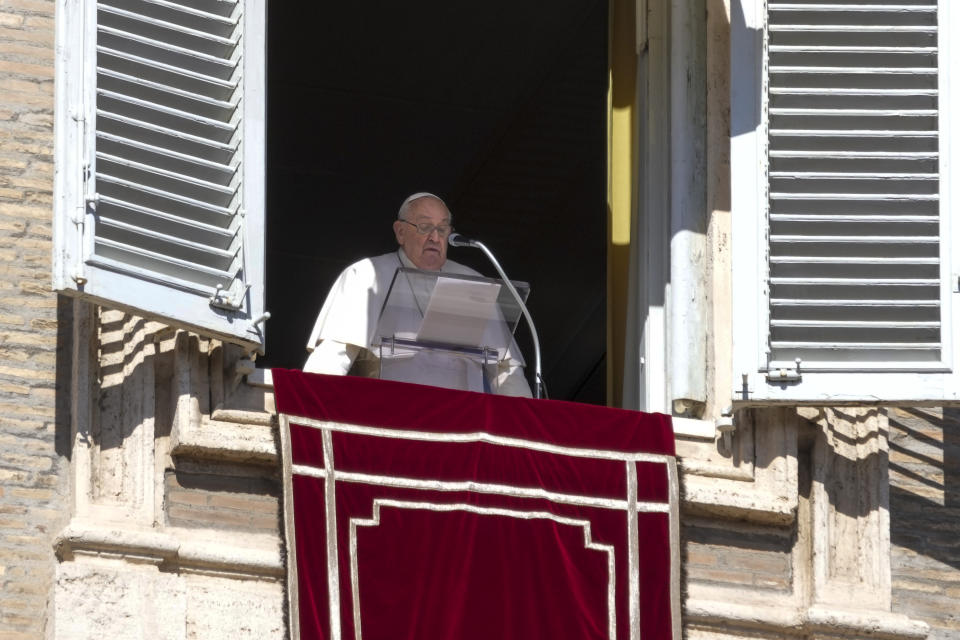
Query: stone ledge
[
  {"x": 720, "y": 500},
  {"x": 695, "y": 467},
  {"x": 794, "y": 622},
  {"x": 694, "y": 429},
  {"x": 243, "y": 416},
  {"x": 242, "y": 437},
  {"x": 173, "y": 550}
]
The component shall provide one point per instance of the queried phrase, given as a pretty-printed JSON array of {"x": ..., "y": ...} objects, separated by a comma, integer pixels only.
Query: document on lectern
[{"x": 459, "y": 311}]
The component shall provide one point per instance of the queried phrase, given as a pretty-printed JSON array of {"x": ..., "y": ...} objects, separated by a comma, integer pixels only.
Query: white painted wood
[
  {"x": 160, "y": 146},
  {"x": 254, "y": 211},
  {"x": 653, "y": 230},
  {"x": 69, "y": 142},
  {"x": 668, "y": 264},
  {"x": 853, "y": 268},
  {"x": 748, "y": 190},
  {"x": 950, "y": 173},
  {"x": 688, "y": 208}
]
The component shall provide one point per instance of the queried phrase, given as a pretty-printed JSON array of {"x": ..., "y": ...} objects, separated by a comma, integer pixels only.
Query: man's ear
[{"x": 397, "y": 231}]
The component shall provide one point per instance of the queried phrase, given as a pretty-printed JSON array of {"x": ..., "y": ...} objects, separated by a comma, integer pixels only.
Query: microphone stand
[{"x": 458, "y": 240}]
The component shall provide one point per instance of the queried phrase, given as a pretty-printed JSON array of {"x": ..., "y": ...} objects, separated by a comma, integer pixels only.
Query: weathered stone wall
[
  {"x": 786, "y": 529},
  {"x": 731, "y": 555},
  {"x": 925, "y": 516},
  {"x": 33, "y": 491},
  {"x": 174, "y": 527}
]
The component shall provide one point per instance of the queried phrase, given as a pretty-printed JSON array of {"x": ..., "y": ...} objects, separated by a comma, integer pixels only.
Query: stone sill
[
  {"x": 791, "y": 621},
  {"x": 171, "y": 549}
]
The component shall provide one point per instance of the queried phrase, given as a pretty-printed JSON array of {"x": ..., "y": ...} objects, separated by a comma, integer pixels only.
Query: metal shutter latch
[{"x": 785, "y": 374}]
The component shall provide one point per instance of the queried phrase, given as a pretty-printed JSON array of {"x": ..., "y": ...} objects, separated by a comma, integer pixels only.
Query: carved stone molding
[
  {"x": 148, "y": 402},
  {"x": 217, "y": 414},
  {"x": 840, "y": 584},
  {"x": 176, "y": 550},
  {"x": 850, "y": 529},
  {"x": 756, "y": 479},
  {"x": 784, "y": 621}
]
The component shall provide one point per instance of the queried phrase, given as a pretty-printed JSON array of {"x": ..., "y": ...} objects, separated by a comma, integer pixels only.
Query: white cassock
[{"x": 343, "y": 335}]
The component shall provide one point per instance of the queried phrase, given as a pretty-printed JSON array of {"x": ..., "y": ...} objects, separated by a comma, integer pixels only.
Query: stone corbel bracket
[
  {"x": 235, "y": 421},
  {"x": 750, "y": 475}
]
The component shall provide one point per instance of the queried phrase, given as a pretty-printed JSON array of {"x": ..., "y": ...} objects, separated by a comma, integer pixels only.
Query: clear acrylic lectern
[{"x": 447, "y": 330}]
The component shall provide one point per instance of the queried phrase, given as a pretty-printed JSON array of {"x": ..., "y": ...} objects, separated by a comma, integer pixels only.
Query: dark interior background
[{"x": 497, "y": 107}]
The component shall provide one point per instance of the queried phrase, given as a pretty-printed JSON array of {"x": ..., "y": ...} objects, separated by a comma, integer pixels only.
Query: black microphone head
[{"x": 458, "y": 240}]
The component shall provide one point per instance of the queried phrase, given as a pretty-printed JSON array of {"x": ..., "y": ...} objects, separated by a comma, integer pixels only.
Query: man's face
[{"x": 429, "y": 251}]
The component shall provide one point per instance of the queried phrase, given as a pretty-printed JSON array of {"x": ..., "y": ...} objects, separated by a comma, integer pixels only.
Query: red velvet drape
[{"x": 469, "y": 516}]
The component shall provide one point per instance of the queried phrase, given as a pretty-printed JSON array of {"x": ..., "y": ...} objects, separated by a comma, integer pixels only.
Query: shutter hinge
[
  {"x": 79, "y": 222},
  {"x": 785, "y": 374},
  {"x": 222, "y": 300},
  {"x": 90, "y": 201}
]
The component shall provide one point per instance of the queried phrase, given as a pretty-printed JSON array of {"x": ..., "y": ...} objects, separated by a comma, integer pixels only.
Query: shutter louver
[
  {"x": 168, "y": 143},
  {"x": 853, "y": 183}
]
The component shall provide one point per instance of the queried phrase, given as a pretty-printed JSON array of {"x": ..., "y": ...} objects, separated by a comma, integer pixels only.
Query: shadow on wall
[
  {"x": 64, "y": 377},
  {"x": 749, "y": 69},
  {"x": 925, "y": 482}
]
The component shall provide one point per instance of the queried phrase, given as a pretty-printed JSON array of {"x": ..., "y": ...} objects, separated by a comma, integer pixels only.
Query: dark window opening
[{"x": 499, "y": 108}]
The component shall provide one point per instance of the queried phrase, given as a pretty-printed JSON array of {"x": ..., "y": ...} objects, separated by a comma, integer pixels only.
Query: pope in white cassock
[{"x": 343, "y": 337}]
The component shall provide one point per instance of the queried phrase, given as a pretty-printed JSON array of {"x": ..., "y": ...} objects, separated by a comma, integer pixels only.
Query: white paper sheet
[{"x": 459, "y": 312}]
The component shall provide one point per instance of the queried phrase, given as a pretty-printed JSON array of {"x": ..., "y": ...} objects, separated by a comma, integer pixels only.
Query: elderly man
[{"x": 342, "y": 337}]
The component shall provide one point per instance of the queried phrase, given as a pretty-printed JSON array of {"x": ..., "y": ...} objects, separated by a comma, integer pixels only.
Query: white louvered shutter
[
  {"x": 851, "y": 241},
  {"x": 160, "y": 166}
]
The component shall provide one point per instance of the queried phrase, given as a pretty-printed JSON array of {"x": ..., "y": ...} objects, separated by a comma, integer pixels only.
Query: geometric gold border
[
  {"x": 510, "y": 513},
  {"x": 332, "y": 476}
]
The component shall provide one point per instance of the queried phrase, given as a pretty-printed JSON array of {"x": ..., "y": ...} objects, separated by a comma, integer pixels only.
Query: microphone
[{"x": 458, "y": 240}]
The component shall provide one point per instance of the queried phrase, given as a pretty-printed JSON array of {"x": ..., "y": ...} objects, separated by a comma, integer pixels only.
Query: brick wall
[
  {"x": 925, "y": 516},
  {"x": 33, "y": 498},
  {"x": 736, "y": 554},
  {"x": 223, "y": 496}
]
